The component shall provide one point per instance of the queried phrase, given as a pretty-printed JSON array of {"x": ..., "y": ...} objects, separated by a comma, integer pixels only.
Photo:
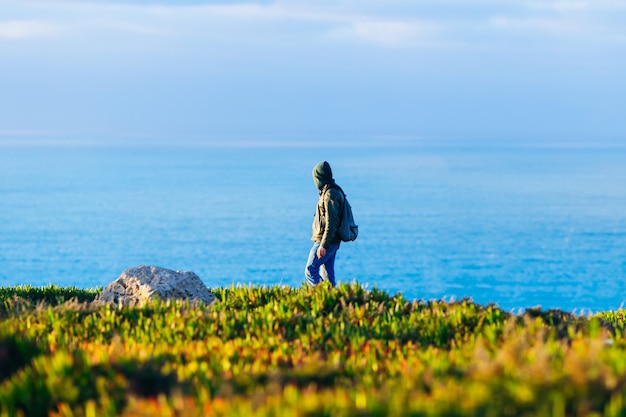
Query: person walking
[{"x": 326, "y": 240}]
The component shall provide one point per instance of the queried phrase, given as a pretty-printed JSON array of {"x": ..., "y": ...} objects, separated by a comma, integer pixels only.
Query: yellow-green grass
[{"x": 281, "y": 351}]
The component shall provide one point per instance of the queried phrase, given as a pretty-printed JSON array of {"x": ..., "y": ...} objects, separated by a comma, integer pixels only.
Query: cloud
[
  {"x": 562, "y": 6},
  {"x": 534, "y": 24},
  {"x": 337, "y": 25},
  {"x": 389, "y": 24},
  {"x": 569, "y": 6},
  {"x": 318, "y": 22},
  {"x": 27, "y": 29},
  {"x": 386, "y": 33},
  {"x": 293, "y": 21},
  {"x": 596, "y": 22}
]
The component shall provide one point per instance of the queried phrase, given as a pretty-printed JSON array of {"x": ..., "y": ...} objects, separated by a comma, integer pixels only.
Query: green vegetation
[
  {"x": 281, "y": 351},
  {"x": 51, "y": 294}
]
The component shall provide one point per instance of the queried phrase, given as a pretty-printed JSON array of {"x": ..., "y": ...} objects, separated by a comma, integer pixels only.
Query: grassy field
[{"x": 281, "y": 351}]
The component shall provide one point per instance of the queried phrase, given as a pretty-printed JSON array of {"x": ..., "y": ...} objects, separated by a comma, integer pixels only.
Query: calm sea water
[{"x": 518, "y": 226}]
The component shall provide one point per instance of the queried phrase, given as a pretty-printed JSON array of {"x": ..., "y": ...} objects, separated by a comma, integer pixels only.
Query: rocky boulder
[{"x": 143, "y": 283}]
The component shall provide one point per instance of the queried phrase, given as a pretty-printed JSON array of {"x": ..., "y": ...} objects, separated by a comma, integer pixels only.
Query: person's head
[{"x": 322, "y": 175}]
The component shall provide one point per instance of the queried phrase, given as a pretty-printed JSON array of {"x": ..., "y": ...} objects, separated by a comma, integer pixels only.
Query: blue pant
[{"x": 312, "y": 270}]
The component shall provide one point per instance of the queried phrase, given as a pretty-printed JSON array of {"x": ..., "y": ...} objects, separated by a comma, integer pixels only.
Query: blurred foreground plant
[{"x": 280, "y": 351}]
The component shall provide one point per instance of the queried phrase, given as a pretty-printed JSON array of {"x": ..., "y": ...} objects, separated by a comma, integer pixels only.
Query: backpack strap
[{"x": 337, "y": 187}]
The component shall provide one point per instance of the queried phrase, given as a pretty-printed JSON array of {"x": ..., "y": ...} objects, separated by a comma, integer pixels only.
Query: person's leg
[
  {"x": 312, "y": 270},
  {"x": 331, "y": 253}
]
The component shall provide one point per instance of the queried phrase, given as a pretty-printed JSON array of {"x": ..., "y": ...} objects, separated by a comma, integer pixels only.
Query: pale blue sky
[{"x": 296, "y": 70}]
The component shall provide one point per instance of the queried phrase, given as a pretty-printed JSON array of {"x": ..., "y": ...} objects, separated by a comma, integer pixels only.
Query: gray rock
[{"x": 140, "y": 284}]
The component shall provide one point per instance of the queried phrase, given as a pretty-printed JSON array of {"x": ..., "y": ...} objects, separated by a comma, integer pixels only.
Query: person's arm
[{"x": 331, "y": 204}]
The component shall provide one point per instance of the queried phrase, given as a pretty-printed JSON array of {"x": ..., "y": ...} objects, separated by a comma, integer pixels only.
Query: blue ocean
[{"x": 516, "y": 225}]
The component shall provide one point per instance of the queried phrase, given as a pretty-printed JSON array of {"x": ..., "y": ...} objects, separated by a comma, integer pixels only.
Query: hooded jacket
[{"x": 327, "y": 213}]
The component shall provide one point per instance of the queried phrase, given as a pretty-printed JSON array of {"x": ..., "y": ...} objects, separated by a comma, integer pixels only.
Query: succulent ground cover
[{"x": 281, "y": 351}]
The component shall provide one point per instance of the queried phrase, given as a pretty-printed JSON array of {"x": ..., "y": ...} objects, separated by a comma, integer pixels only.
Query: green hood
[{"x": 322, "y": 175}]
